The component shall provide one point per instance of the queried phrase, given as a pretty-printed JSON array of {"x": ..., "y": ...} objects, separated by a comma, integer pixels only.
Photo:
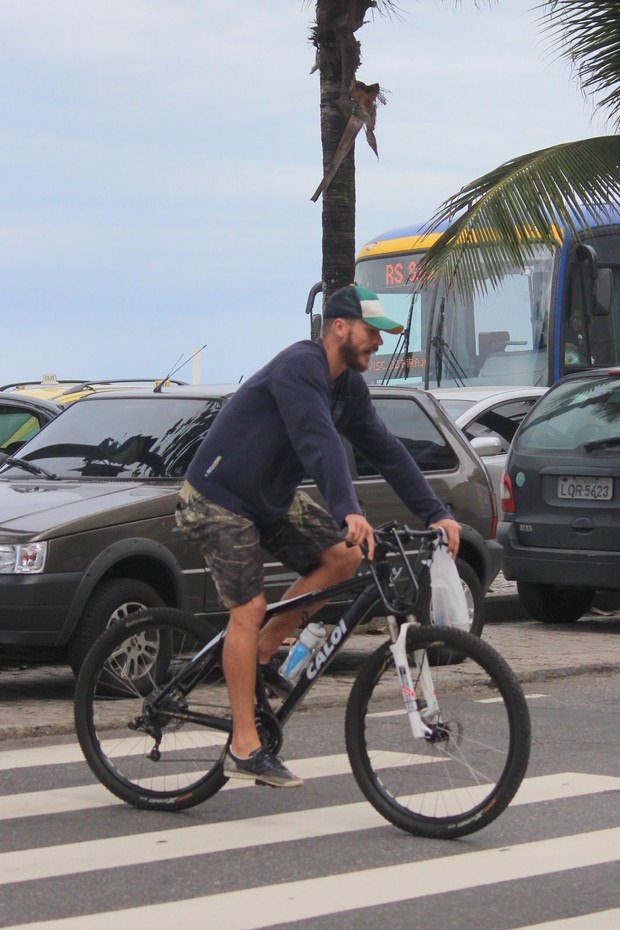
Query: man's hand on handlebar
[
  {"x": 360, "y": 532},
  {"x": 453, "y": 532}
]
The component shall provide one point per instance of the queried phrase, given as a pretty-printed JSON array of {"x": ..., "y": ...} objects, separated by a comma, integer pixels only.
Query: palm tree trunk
[
  {"x": 338, "y": 218},
  {"x": 338, "y": 60}
]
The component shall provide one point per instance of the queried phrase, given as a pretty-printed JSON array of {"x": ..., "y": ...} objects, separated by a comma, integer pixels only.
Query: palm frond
[
  {"x": 498, "y": 221},
  {"x": 587, "y": 33}
]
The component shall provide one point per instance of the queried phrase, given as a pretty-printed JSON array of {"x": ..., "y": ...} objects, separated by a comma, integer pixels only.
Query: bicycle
[{"x": 152, "y": 716}]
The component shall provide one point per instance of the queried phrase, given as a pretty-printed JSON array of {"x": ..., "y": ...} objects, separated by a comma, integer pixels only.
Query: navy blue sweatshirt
[{"x": 283, "y": 425}]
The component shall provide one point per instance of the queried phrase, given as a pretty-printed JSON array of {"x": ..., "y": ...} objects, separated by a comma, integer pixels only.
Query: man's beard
[{"x": 351, "y": 356}]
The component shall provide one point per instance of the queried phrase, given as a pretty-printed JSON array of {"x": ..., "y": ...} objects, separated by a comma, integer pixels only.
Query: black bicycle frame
[
  {"x": 198, "y": 666},
  {"x": 322, "y": 659},
  {"x": 371, "y": 586}
]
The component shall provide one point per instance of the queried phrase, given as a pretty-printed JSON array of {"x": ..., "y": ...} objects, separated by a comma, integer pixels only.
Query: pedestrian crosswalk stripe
[
  {"x": 499, "y": 700},
  {"x": 599, "y": 920},
  {"x": 63, "y": 754},
  {"x": 83, "y": 797},
  {"x": 59, "y": 754},
  {"x": 255, "y": 908},
  {"x": 91, "y": 797},
  {"x": 176, "y": 843}
]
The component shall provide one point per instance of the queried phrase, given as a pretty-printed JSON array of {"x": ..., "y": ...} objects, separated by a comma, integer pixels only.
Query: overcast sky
[{"x": 157, "y": 159}]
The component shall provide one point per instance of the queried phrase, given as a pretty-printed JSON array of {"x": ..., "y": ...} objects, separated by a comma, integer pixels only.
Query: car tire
[
  {"x": 110, "y": 601},
  {"x": 549, "y": 604},
  {"x": 473, "y": 595}
]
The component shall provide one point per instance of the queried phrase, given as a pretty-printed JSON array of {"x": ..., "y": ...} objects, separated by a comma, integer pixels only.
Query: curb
[
  {"x": 567, "y": 671},
  {"x": 333, "y": 691},
  {"x": 36, "y": 732}
]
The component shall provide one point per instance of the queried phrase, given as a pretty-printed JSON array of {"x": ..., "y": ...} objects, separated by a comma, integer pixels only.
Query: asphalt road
[
  {"x": 37, "y": 700},
  {"x": 72, "y": 855}
]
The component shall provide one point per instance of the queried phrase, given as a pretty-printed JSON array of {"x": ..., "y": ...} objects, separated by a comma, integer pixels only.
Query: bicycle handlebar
[
  {"x": 385, "y": 530},
  {"x": 390, "y": 537}
]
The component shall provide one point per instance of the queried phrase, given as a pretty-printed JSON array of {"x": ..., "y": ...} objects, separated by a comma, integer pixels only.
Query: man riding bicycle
[{"x": 242, "y": 493}]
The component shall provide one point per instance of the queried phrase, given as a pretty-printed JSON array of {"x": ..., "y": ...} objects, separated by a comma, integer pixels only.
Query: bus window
[
  {"x": 561, "y": 311},
  {"x": 496, "y": 338}
]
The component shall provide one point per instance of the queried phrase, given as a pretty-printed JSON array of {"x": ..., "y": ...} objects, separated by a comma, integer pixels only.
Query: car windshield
[
  {"x": 574, "y": 415},
  {"x": 114, "y": 437}
]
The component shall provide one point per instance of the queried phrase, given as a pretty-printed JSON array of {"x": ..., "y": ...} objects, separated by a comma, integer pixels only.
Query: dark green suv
[
  {"x": 561, "y": 498},
  {"x": 87, "y": 531}
]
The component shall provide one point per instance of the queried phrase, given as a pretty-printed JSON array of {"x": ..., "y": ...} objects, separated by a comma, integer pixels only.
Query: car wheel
[
  {"x": 548, "y": 604},
  {"x": 110, "y": 602},
  {"x": 473, "y": 595}
]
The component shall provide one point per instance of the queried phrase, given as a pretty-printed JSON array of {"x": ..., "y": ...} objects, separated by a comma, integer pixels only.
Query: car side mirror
[
  {"x": 316, "y": 319},
  {"x": 601, "y": 281},
  {"x": 486, "y": 445},
  {"x": 602, "y": 293}
]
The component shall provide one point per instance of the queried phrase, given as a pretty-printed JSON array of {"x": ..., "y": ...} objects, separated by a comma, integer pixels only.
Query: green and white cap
[{"x": 359, "y": 303}]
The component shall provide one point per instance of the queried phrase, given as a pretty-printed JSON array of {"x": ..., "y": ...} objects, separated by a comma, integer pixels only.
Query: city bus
[{"x": 559, "y": 313}]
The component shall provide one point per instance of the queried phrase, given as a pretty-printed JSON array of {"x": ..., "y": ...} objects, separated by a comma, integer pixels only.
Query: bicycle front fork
[{"x": 425, "y": 699}]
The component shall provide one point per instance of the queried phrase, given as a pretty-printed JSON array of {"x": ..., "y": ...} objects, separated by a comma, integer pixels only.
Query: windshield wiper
[
  {"x": 444, "y": 356},
  {"x": 28, "y": 466},
  {"x": 601, "y": 443}
]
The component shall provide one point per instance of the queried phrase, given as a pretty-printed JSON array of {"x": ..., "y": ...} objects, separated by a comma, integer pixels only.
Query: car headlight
[{"x": 22, "y": 559}]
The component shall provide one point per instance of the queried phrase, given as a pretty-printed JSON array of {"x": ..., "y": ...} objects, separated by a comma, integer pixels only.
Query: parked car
[
  {"x": 489, "y": 417},
  {"x": 67, "y": 391},
  {"x": 561, "y": 498},
  {"x": 21, "y": 417},
  {"x": 87, "y": 531},
  {"x": 26, "y": 406}
]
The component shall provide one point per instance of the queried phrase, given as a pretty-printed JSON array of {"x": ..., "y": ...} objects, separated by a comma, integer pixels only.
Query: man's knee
[
  {"x": 342, "y": 560},
  {"x": 250, "y": 613}
]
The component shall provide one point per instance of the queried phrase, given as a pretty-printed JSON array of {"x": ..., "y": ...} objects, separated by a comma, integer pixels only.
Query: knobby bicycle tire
[
  {"x": 461, "y": 777},
  {"x": 153, "y": 760}
]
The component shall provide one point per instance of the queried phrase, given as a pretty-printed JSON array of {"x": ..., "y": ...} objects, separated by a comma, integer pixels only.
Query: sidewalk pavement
[{"x": 37, "y": 701}]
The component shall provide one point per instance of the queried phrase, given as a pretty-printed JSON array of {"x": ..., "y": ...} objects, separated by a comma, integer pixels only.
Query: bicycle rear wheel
[
  {"x": 149, "y": 753},
  {"x": 466, "y": 770}
]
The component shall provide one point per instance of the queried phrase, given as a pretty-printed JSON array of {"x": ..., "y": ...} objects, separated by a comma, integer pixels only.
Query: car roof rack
[{"x": 74, "y": 386}]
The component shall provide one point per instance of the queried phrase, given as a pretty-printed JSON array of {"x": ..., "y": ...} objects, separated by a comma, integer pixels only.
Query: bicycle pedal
[{"x": 263, "y": 784}]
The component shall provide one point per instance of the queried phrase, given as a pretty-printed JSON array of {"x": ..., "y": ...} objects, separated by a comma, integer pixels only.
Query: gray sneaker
[{"x": 262, "y": 767}]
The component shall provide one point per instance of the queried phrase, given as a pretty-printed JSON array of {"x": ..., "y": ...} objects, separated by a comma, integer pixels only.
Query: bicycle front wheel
[
  {"x": 153, "y": 752},
  {"x": 467, "y": 766}
]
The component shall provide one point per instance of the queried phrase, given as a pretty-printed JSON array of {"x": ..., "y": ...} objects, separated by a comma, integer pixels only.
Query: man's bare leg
[
  {"x": 239, "y": 660},
  {"x": 243, "y": 760},
  {"x": 338, "y": 563},
  {"x": 243, "y": 643}
]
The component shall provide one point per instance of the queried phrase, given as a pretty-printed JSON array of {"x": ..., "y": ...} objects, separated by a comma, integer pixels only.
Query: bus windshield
[{"x": 500, "y": 337}]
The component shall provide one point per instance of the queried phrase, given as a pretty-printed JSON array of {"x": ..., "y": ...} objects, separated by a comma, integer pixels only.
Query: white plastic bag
[{"x": 448, "y": 604}]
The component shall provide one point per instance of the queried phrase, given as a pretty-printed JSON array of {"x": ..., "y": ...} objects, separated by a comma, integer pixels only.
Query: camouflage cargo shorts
[{"x": 231, "y": 544}]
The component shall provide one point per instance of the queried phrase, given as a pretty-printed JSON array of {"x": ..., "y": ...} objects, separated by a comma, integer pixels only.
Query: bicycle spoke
[
  {"x": 465, "y": 770},
  {"x": 138, "y": 709}
]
